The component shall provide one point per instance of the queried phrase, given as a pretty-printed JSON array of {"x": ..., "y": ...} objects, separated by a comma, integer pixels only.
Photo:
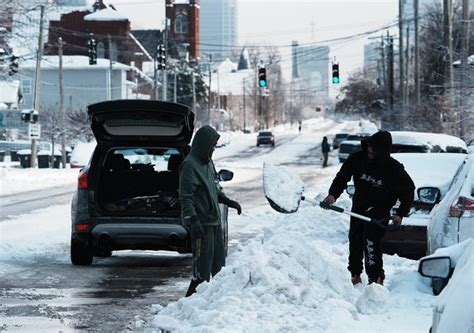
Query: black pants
[
  {"x": 364, "y": 243},
  {"x": 325, "y": 161}
]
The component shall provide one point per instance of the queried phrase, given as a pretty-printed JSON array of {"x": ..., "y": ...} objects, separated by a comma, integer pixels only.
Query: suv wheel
[{"x": 80, "y": 254}]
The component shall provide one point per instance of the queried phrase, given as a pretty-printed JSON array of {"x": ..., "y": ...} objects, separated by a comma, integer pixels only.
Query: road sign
[{"x": 34, "y": 131}]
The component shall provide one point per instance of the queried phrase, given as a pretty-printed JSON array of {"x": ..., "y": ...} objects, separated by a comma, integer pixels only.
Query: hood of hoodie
[
  {"x": 205, "y": 138},
  {"x": 382, "y": 144}
]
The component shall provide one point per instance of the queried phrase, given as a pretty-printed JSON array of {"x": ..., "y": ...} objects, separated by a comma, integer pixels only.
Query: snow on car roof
[
  {"x": 424, "y": 138},
  {"x": 420, "y": 168}
]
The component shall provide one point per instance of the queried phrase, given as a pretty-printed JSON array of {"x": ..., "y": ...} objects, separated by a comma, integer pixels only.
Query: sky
[{"x": 278, "y": 22}]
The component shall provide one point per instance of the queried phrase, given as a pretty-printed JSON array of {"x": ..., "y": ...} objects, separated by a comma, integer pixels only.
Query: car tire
[
  {"x": 341, "y": 160},
  {"x": 273, "y": 145},
  {"x": 258, "y": 145},
  {"x": 438, "y": 284},
  {"x": 80, "y": 254}
]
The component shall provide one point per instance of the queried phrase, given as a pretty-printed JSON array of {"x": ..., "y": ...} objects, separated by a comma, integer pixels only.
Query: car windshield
[
  {"x": 340, "y": 136},
  {"x": 265, "y": 134},
  {"x": 156, "y": 158}
]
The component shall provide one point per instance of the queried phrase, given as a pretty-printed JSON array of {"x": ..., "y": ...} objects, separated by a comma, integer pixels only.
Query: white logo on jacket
[{"x": 374, "y": 181}]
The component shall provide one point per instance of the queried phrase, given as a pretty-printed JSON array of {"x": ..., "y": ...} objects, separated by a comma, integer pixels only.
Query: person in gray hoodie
[{"x": 200, "y": 197}]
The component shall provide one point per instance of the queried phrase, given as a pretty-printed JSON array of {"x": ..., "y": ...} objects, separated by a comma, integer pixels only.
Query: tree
[
  {"x": 79, "y": 126},
  {"x": 361, "y": 96}
]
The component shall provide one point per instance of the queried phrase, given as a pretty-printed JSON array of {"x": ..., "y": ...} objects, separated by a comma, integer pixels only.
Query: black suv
[
  {"x": 265, "y": 138},
  {"x": 127, "y": 197}
]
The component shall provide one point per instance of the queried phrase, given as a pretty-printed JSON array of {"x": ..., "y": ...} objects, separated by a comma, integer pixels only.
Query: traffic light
[
  {"x": 13, "y": 68},
  {"x": 29, "y": 116},
  {"x": 335, "y": 74},
  {"x": 92, "y": 50},
  {"x": 262, "y": 77},
  {"x": 161, "y": 57}
]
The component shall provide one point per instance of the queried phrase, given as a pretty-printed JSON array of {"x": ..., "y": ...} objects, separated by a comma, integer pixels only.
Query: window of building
[{"x": 181, "y": 24}]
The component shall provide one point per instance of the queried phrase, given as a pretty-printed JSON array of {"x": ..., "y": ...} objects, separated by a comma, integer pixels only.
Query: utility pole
[
  {"x": 407, "y": 79},
  {"x": 175, "y": 86},
  {"x": 391, "y": 90},
  {"x": 111, "y": 68},
  {"x": 243, "y": 88},
  {"x": 61, "y": 105},
  {"x": 417, "y": 55},
  {"x": 164, "y": 71},
  {"x": 155, "y": 76},
  {"x": 36, "y": 100},
  {"x": 464, "y": 118},
  {"x": 210, "y": 92},
  {"x": 400, "y": 52},
  {"x": 193, "y": 81},
  {"x": 448, "y": 44}
]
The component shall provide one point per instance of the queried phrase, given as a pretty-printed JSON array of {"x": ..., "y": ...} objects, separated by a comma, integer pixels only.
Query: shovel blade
[{"x": 283, "y": 188}]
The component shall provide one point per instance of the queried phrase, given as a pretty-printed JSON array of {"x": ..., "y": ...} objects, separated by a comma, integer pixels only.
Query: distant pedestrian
[
  {"x": 325, "y": 148},
  {"x": 299, "y": 127}
]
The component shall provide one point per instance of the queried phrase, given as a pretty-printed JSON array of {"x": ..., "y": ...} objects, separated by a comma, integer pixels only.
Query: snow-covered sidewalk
[{"x": 292, "y": 277}]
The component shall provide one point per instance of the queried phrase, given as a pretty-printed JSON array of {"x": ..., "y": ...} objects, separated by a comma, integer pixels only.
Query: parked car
[
  {"x": 338, "y": 139},
  {"x": 452, "y": 220},
  {"x": 127, "y": 195},
  {"x": 454, "y": 307},
  {"x": 425, "y": 142},
  {"x": 265, "y": 138},
  {"x": 432, "y": 184},
  {"x": 351, "y": 145}
]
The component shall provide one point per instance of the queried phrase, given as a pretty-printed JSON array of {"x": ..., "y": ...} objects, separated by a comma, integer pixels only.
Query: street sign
[{"x": 34, "y": 131}]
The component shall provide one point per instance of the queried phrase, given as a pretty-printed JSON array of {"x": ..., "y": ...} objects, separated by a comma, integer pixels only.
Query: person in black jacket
[
  {"x": 379, "y": 182},
  {"x": 325, "y": 149}
]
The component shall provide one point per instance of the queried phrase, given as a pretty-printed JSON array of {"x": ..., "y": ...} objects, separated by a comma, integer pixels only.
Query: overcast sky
[{"x": 278, "y": 22}]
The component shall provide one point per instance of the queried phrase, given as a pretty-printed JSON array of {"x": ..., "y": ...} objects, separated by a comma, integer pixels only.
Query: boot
[
  {"x": 378, "y": 280},
  {"x": 356, "y": 279},
  {"x": 192, "y": 286}
]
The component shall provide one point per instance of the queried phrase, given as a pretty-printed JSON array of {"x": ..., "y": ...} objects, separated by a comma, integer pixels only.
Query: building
[
  {"x": 312, "y": 68},
  {"x": 183, "y": 16},
  {"x": 83, "y": 84},
  {"x": 10, "y": 94},
  {"x": 218, "y": 29}
]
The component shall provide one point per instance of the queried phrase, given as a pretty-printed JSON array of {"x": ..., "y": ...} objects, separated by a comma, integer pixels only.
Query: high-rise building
[
  {"x": 313, "y": 66},
  {"x": 218, "y": 28}
]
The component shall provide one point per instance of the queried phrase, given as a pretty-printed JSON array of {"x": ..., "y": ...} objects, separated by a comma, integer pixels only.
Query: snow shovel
[{"x": 284, "y": 192}]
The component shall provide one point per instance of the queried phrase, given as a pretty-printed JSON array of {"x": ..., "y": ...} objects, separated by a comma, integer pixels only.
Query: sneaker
[
  {"x": 378, "y": 280},
  {"x": 356, "y": 279}
]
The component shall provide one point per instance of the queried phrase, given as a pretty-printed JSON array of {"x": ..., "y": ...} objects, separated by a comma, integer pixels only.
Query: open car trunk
[
  {"x": 140, "y": 182},
  {"x": 142, "y": 144}
]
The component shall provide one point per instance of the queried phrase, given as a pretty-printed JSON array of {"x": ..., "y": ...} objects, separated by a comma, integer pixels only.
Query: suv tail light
[
  {"x": 82, "y": 181},
  {"x": 461, "y": 205}
]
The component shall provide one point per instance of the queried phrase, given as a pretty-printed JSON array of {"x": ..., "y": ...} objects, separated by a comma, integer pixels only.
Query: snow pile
[
  {"x": 13, "y": 180},
  {"x": 282, "y": 187},
  {"x": 292, "y": 278}
]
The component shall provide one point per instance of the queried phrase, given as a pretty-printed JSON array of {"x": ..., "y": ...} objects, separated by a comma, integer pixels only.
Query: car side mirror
[
  {"x": 225, "y": 175},
  {"x": 435, "y": 267},
  {"x": 350, "y": 190},
  {"x": 429, "y": 195}
]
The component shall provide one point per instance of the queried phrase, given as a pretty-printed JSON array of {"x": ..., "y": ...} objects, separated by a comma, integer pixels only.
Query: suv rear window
[
  {"x": 140, "y": 181},
  {"x": 265, "y": 134}
]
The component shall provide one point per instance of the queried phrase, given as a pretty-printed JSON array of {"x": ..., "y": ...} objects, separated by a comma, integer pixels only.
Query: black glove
[
  {"x": 197, "y": 231},
  {"x": 235, "y": 205}
]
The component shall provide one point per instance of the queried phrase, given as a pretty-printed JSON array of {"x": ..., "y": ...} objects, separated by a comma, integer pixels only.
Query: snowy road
[
  {"x": 22, "y": 203},
  {"x": 41, "y": 290}
]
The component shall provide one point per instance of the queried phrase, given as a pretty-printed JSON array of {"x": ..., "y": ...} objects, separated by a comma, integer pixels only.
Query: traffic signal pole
[
  {"x": 36, "y": 99},
  {"x": 61, "y": 105}
]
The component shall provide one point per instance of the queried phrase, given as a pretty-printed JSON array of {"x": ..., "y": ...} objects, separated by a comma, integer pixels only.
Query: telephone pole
[
  {"x": 111, "y": 67},
  {"x": 464, "y": 118},
  {"x": 417, "y": 55},
  {"x": 36, "y": 100},
  {"x": 210, "y": 92},
  {"x": 61, "y": 105},
  {"x": 400, "y": 53},
  {"x": 448, "y": 44},
  {"x": 243, "y": 88}
]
